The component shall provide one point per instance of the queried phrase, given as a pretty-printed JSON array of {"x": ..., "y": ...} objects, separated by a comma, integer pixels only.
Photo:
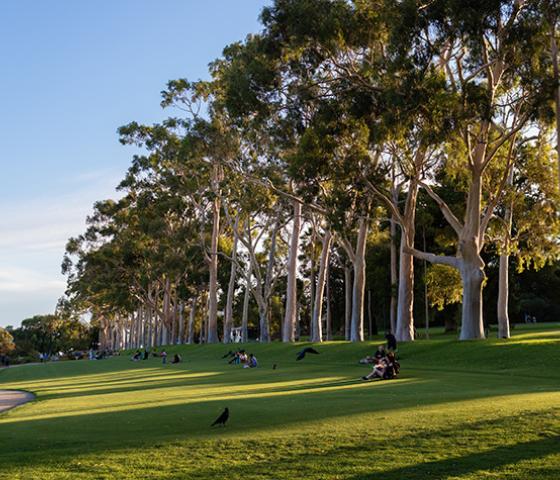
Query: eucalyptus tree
[
  {"x": 282, "y": 77},
  {"x": 527, "y": 225},
  {"x": 192, "y": 152},
  {"x": 488, "y": 58}
]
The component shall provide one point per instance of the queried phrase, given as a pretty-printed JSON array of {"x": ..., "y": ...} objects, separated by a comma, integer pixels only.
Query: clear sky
[{"x": 71, "y": 73}]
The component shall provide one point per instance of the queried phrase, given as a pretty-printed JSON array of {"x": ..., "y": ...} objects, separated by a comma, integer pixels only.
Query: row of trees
[
  {"x": 46, "y": 334},
  {"x": 314, "y": 142}
]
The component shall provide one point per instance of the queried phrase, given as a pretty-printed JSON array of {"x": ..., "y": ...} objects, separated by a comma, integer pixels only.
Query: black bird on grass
[
  {"x": 222, "y": 419},
  {"x": 301, "y": 355}
]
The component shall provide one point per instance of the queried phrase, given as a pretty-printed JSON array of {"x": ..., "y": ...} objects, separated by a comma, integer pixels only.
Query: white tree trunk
[
  {"x": 328, "y": 322},
  {"x": 192, "y": 316},
  {"x": 471, "y": 265},
  {"x": 212, "y": 324},
  {"x": 246, "y": 298},
  {"x": 347, "y": 301},
  {"x": 503, "y": 284},
  {"x": 503, "y": 294},
  {"x": 264, "y": 324},
  {"x": 405, "y": 307},
  {"x": 288, "y": 331},
  {"x": 394, "y": 276},
  {"x": 405, "y": 319},
  {"x": 357, "y": 322},
  {"x": 472, "y": 326},
  {"x": 228, "y": 316},
  {"x": 181, "y": 334},
  {"x": 316, "y": 327}
]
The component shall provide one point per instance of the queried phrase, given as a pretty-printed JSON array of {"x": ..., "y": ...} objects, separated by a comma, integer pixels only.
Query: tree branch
[{"x": 447, "y": 213}]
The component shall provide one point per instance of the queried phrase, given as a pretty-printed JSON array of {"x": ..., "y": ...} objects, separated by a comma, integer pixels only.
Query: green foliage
[
  {"x": 444, "y": 286},
  {"x": 51, "y": 334},
  {"x": 6, "y": 342}
]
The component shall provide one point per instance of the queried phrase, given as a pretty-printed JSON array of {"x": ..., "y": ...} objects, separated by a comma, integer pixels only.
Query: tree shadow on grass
[
  {"x": 369, "y": 453},
  {"x": 470, "y": 464},
  {"x": 333, "y": 461}
]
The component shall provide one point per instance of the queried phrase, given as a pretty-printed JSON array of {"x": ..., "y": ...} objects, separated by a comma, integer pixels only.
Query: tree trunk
[
  {"x": 316, "y": 327},
  {"x": 472, "y": 326},
  {"x": 212, "y": 325},
  {"x": 405, "y": 308},
  {"x": 394, "y": 276},
  {"x": 246, "y": 298},
  {"x": 288, "y": 332},
  {"x": 357, "y": 322},
  {"x": 394, "y": 259},
  {"x": 228, "y": 316},
  {"x": 405, "y": 318},
  {"x": 264, "y": 334},
  {"x": 264, "y": 324},
  {"x": 347, "y": 300},
  {"x": 471, "y": 265},
  {"x": 503, "y": 294},
  {"x": 181, "y": 334},
  {"x": 312, "y": 285},
  {"x": 503, "y": 284},
  {"x": 192, "y": 316},
  {"x": 328, "y": 323}
]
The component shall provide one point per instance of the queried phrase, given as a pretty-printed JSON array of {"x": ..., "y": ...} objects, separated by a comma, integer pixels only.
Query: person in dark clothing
[
  {"x": 391, "y": 341},
  {"x": 393, "y": 367},
  {"x": 146, "y": 354},
  {"x": 176, "y": 358}
]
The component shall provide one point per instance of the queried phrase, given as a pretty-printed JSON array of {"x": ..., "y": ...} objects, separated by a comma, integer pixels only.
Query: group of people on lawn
[
  {"x": 385, "y": 364},
  {"x": 139, "y": 355},
  {"x": 240, "y": 357}
]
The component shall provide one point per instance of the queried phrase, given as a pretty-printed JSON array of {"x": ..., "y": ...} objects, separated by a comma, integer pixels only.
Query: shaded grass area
[{"x": 460, "y": 410}]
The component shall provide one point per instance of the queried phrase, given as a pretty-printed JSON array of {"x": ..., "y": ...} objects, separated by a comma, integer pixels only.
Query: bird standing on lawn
[
  {"x": 222, "y": 419},
  {"x": 301, "y": 355}
]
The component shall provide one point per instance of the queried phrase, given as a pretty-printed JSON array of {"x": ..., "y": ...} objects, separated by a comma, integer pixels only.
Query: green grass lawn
[{"x": 460, "y": 410}]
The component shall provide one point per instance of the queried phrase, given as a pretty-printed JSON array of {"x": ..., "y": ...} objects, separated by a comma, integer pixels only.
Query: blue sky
[{"x": 72, "y": 72}]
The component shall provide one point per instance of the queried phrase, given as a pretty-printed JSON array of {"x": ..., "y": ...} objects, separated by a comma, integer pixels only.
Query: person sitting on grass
[
  {"x": 251, "y": 362},
  {"x": 393, "y": 367},
  {"x": 176, "y": 358},
  {"x": 236, "y": 357},
  {"x": 243, "y": 358},
  {"x": 379, "y": 354},
  {"x": 378, "y": 370},
  {"x": 136, "y": 356}
]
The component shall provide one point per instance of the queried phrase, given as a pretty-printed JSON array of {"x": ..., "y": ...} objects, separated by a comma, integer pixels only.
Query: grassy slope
[{"x": 459, "y": 411}]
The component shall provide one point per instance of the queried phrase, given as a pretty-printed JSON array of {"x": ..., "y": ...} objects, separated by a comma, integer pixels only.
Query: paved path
[{"x": 13, "y": 398}]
